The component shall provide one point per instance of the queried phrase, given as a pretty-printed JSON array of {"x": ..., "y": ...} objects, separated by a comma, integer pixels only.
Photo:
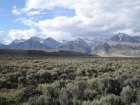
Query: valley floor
[{"x": 26, "y": 80}]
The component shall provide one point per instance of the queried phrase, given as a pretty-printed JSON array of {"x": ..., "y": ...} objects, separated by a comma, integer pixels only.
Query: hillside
[
  {"x": 41, "y": 53},
  {"x": 118, "y": 50}
]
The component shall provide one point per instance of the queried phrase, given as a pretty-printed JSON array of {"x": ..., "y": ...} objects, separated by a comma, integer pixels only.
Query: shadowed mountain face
[
  {"x": 16, "y": 52},
  {"x": 51, "y": 43},
  {"x": 118, "y": 45},
  {"x": 29, "y": 44}
]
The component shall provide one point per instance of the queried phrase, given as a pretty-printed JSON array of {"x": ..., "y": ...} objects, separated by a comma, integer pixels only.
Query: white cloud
[
  {"x": 3, "y": 37},
  {"x": 92, "y": 18},
  {"x": 25, "y": 34},
  {"x": 33, "y": 13},
  {"x": 27, "y": 21},
  {"x": 129, "y": 32},
  {"x": 58, "y": 23},
  {"x": 16, "y": 11},
  {"x": 49, "y": 4},
  {"x": 60, "y": 27}
]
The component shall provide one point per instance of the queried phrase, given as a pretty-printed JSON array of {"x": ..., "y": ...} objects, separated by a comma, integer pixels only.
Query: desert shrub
[
  {"x": 30, "y": 91},
  {"x": 133, "y": 82},
  {"x": 74, "y": 90},
  {"x": 93, "y": 84},
  {"x": 26, "y": 103},
  {"x": 71, "y": 75},
  {"x": 82, "y": 85},
  {"x": 138, "y": 97},
  {"x": 78, "y": 72},
  {"x": 62, "y": 84},
  {"x": 6, "y": 83},
  {"x": 111, "y": 99},
  {"x": 31, "y": 72},
  {"x": 29, "y": 77},
  {"x": 50, "y": 101},
  {"x": 37, "y": 100},
  {"x": 22, "y": 73},
  {"x": 3, "y": 82},
  {"x": 3, "y": 100},
  {"x": 90, "y": 94},
  {"x": 63, "y": 76},
  {"x": 44, "y": 77},
  {"x": 33, "y": 81},
  {"x": 24, "y": 94},
  {"x": 55, "y": 76},
  {"x": 19, "y": 97},
  {"x": 22, "y": 80},
  {"x": 50, "y": 93},
  {"x": 96, "y": 102},
  {"x": 128, "y": 95},
  {"x": 77, "y": 102},
  {"x": 124, "y": 76},
  {"x": 108, "y": 85},
  {"x": 86, "y": 103},
  {"x": 65, "y": 97}
]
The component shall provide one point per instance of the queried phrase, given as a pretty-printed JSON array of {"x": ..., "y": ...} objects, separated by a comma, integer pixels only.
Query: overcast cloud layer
[{"x": 92, "y": 19}]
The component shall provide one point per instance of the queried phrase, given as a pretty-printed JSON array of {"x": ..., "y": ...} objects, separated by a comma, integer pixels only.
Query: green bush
[
  {"x": 65, "y": 97},
  {"x": 37, "y": 100},
  {"x": 90, "y": 94},
  {"x": 128, "y": 95},
  {"x": 77, "y": 102},
  {"x": 3, "y": 100},
  {"x": 133, "y": 82},
  {"x": 138, "y": 96},
  {"x": 45, "y": 77},
  {"x": 108, "y": 85},
  {"x": 22, "y": 81},
  {"x": 19, "y": 97},
  {"x": 111, "y": 99}
]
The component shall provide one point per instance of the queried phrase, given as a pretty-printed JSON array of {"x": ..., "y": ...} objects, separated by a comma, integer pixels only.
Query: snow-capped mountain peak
[
  {"x": 41, "y": 40},
  {"x": 62, "y": 42},
  {"x": 16, "y": 41},
  {"x": 121, "y": 37}
]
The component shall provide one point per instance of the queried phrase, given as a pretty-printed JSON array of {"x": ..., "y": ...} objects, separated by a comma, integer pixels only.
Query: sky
[{"x": 68, "y": 19}]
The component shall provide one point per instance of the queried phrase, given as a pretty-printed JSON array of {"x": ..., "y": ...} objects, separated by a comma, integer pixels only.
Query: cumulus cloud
[
  {"x": 59, "y": 27},
  {"x": 3, "y": 37},
  {"x": 65, "y": 28},
  {"x": 18, "y": 11},
  {"x": 49, "y": 4},
  {"x": 27, "y": 21},
  {"x": 26, "y": 34},
  {"x": 93, "y": 18},
  {"x": 130, "y": 31}
]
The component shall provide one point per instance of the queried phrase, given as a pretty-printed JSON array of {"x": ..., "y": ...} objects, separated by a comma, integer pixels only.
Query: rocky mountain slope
[{"x": 118, "y": 45}]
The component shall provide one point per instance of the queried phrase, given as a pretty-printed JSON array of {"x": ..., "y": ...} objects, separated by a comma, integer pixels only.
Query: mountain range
[{"x": 117, "y": 45}]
